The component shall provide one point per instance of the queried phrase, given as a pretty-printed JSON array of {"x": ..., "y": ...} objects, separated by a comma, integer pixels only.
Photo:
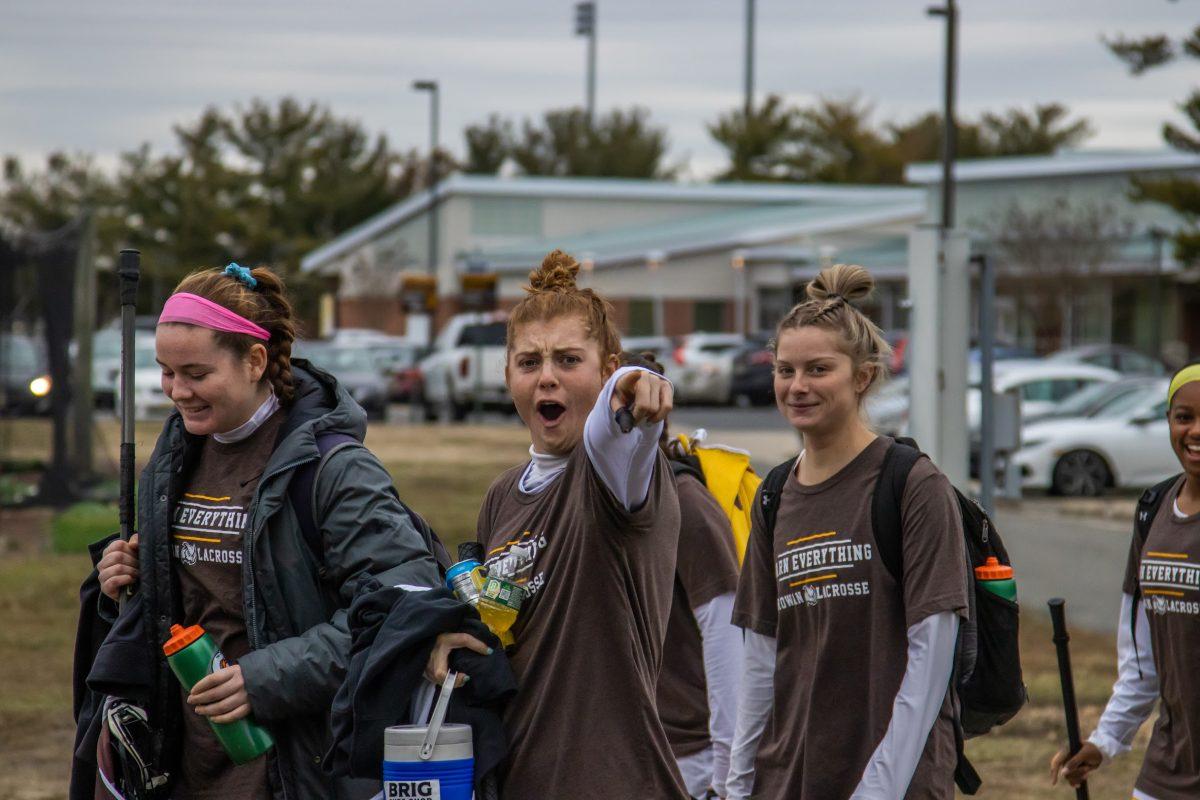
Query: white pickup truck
[{"x": 465, "y": 368}]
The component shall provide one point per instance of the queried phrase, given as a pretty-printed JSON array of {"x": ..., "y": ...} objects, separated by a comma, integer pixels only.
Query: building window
[
  {"x": 708, "y": 316},
  {"x": 506, "y": 216},
  {"x": 641, "y": 318}
]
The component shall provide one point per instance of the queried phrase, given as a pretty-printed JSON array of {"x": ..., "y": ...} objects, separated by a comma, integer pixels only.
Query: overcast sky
[{"x": 103, "y": 77}]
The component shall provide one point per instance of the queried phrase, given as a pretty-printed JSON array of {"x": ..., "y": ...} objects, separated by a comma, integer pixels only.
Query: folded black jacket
[
  {"x": 113, "y": 657},
  {"x": 392, "y": 634}
]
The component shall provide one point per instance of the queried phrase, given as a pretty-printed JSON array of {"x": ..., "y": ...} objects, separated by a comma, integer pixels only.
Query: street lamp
[
  {"x": 950, "y": 130},
  {"x": 738, "y": 261},
  {"x": 1158, "y": 236},
  {"x": 585, "y": 25},
  {"x": 749, "y": 73},
  {"x": 654, "y": 261},
  {"x": 434, "y": 113}
]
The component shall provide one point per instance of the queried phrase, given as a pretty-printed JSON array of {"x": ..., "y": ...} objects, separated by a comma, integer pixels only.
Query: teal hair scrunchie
[{"x": 241, "y": 274}]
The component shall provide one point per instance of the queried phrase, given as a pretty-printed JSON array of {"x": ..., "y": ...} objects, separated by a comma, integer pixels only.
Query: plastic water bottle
[
  {"x": 997, "y": 578},
  {"x": 193, "y": 654},
  {"x": 497, "y": 600}
]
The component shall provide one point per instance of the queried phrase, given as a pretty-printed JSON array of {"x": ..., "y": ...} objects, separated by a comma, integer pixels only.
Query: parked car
[
  {"x": 1041, "y": 385},
  {"x": 661, "y": 346},
  {"x": 899, "y": 340},
  {"x": 1123, "y": 446},
  {"x": 149, "y": 400},
  {"x": 701, "y": 367},
  {"x": 1093, "y": 399},
  {"x": 1111, "y": 356},
  {"x": 397, "y": 360},
  {"x": 465, "y": 367},
  {"x": 106, "y": 366},
  {"x": 25, "y": 384},
  {"x": 355, "y": 369},
  {"x": 753, "y": 381}
]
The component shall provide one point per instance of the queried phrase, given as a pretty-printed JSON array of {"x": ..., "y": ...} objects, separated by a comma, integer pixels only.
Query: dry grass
[{"x": 442, "y": 472}]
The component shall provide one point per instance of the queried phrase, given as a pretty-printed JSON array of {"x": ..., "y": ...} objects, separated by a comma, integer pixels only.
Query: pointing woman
[{"x": 589, "y": 525}]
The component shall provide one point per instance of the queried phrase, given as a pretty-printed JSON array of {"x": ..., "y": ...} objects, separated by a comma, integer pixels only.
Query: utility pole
[
  {"x": 434, "y": 112},
  {"x": 82, "y": 405},
  {"x": 585, "y": 25},
  {"x": 1158, "y": 236},
  {"x": 749, "y": 68}
]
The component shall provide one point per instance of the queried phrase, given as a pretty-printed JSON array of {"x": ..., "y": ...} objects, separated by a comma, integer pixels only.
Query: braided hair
[
  {"x": 263, "y": 300},
  {"x": 830, "y": 306}
]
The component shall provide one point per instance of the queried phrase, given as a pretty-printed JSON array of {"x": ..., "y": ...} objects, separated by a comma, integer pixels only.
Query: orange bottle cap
[
  {"x": 993, "y": 570},
  {"x": 181, "y": 637}
]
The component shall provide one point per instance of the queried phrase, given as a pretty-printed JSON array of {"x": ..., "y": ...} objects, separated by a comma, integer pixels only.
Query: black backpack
[
  {"x": 1147, "y": 509},
  {"x": 987, "y": 672},
  {"x": 301, "y": 495}
]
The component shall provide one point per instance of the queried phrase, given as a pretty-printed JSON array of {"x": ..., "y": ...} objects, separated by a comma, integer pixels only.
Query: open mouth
[{"x": 550, "y": 411}]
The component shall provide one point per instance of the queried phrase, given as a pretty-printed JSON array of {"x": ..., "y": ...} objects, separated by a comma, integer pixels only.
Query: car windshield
[
  {"x": 1088, "y": 399},
  {"x": 144, "y": 358},
  {"x": 1124, "y": 404},
  {"x": 491, "y": 334},
  {"x": 18, "y": 355},
  {"x": 351, "y": 359}
]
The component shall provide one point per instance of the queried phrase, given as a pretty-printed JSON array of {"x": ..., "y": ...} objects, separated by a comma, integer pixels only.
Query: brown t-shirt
[
  {"x": 1168, "y": 571},
  {"x": 840, "y": 622},
  {"x": 706, "y": 568},
  {"x": 206, "y": 546},
  {"x": 588, "y": 641}
]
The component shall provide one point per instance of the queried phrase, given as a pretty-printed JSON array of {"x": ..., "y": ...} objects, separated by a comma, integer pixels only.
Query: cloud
[{"x": 103, "y": 78}]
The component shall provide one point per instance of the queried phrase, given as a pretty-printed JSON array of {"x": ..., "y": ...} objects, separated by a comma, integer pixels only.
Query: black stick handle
[
  {"x": 1058, "y": 618},
  {"x": 128, "y": 270}
]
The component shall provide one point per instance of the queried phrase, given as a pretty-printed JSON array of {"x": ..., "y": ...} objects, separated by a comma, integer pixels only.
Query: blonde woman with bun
[
  {"x": 845, "y": 691},
  {"x": 592, "y": 521}
]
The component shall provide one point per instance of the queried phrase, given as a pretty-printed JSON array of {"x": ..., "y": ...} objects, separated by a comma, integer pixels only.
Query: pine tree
[{"x": 1182, "y": 194}]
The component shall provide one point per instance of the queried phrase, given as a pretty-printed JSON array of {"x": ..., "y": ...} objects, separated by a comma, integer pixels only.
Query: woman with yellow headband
[{"x": 1158, "y": 639}]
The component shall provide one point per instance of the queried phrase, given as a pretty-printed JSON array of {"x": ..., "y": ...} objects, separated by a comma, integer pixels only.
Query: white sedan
[{"x": 1125, "y": 445}]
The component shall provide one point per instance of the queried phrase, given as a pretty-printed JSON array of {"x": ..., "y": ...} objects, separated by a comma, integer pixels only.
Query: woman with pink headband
[{"x": 221, "y": 545}]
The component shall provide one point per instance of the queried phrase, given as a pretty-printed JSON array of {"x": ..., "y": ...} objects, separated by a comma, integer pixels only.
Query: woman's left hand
[{"x": 221, "y": 695}]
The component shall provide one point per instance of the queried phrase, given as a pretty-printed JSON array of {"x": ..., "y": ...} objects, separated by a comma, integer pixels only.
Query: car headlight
[{"x": 40, "y": 386}]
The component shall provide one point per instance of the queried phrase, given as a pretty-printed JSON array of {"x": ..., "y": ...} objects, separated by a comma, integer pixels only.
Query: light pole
[
  {"x": 434, "y": 113},
  {"x": 585, "y": 25},
  {"x": 654, "y": 262},
  {"x": 749, "y": 70},
  {"x": 949, "y": 126},
  {"x": 738, "y": 262},
  {"x": 1158, "y": 236}
]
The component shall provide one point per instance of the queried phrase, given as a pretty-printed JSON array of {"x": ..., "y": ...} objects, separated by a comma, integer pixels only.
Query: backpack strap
[
  {"x": 1147, "y": 509},
  {"x": 302, "y": 494},
  {"x": 302, "y": 491},
  {"x": 770, "y": 491},
  {"x": 886, "y": 524},
  {"x": 686, "y": 465}
]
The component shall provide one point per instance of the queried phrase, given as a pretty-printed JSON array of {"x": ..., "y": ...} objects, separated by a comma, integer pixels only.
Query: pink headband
[{"x": 195, "y": 310}]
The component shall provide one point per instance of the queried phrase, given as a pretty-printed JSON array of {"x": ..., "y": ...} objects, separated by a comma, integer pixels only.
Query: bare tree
[{"x": 1048, "y": 254}]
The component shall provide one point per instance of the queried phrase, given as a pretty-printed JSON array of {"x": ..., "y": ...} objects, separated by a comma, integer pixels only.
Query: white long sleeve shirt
[
  {"x": 625, "y": 462},
  {"x": 721, "y": 641},
  {"x": 914, "y": 711}
]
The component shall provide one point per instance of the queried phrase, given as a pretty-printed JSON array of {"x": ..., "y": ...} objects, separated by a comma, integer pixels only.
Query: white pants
[{"x": 697, "y": 771}]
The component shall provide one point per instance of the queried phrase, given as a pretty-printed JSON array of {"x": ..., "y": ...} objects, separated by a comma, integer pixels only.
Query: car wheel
[{"x": 1081, "y": 473}]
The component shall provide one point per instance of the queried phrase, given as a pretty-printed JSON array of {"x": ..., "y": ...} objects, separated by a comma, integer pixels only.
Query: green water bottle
[
  {"x": 192, "y": 655},
  {"x": 997, "y": 578}
]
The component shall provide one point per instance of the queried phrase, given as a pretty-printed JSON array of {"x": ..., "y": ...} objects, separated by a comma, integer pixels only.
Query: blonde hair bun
[
  {"x": 849, "y": 281},
  {"x": 556, "y": 274}
]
